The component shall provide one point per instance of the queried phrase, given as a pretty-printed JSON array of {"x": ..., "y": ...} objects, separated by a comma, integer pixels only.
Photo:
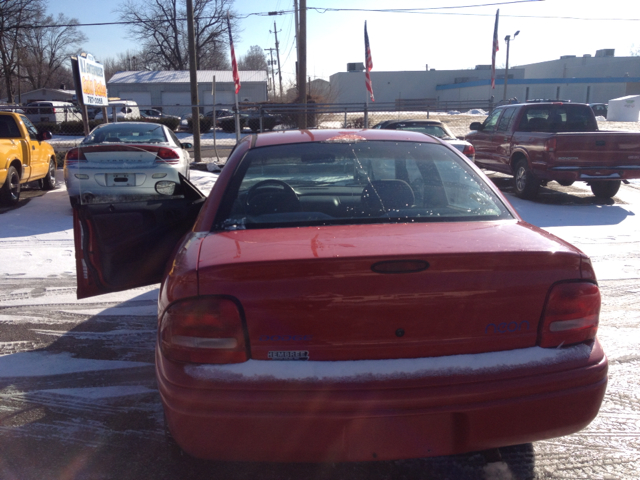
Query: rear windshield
[
  {"x": 435, "y": 130},
  {"x": 350, "y": 183},
  {"x": 127, "y": 133},
  {"x": 558, "y": 118}
]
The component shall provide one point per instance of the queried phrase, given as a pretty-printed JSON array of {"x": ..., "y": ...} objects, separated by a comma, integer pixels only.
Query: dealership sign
[{"x": 92, "y": 83}]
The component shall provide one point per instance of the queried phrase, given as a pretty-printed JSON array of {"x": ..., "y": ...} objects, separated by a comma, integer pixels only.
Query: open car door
[{"x": 126, "y": 242}]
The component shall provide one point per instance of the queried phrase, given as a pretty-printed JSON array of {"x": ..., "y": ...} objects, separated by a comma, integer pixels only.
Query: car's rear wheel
[
  {"x": 605, "y": 188},
  {"x": 525, "y": 182},
  {"x": 49, "y": 182},
  {"x": 10, "y": 191},
  {"x": 565, "y": 183}
]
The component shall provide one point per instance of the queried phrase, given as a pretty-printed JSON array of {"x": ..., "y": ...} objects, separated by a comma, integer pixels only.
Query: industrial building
[
  {"x": 589, "y": 79},
  {"x": 171, "y": 90}
]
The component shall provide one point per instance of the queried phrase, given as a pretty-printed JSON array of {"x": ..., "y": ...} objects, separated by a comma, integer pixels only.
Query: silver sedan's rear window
[
  {"x": 125, "y": 132},
  {"x": 328, "y": 183}
]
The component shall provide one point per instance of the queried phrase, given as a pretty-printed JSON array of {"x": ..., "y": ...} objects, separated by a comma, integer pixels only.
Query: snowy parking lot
[{"x": 78, "y": 398}]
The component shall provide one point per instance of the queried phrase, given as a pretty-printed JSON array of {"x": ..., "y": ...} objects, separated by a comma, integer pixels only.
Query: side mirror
[
  {"x": 46, "y": 135},
  {"x": 186, "y": 145},
  {"x": 476, "y": 126}
]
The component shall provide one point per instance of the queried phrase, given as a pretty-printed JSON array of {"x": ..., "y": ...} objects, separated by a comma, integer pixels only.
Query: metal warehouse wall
[{"x": 581, "y": 92}]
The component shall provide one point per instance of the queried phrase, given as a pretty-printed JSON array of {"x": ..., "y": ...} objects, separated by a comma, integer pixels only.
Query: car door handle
[{"x": 33, "y": 147}]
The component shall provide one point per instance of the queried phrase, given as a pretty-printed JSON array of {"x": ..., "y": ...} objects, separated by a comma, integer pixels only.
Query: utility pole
[
  {"x": 296, "y": 32},
  {"x": 193, "y": 77},
  {"x": 506, "y": 70},
  {"x": 302, "y": 62},
  {"x": 273, "y": 78},
  {"x": 275, "y": 31}
]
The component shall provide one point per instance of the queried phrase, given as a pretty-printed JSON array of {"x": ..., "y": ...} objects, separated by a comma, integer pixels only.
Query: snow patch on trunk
[{"x": 377, "y": 370}]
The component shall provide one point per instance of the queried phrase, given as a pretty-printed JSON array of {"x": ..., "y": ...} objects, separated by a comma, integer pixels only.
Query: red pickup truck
[{"x": 541, "y": 142}]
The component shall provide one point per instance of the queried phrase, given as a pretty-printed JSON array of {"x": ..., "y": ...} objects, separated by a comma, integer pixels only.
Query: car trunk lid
[
  {"x": 387, "y": 291},
  {"x": 121, "y": 155}
]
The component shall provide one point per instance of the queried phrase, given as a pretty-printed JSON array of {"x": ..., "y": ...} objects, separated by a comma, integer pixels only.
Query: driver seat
[{"x": 381, "y": 196}]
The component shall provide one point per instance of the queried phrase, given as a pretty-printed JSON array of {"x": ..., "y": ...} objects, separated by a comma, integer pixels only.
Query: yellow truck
[{"x": 25, "y": 156}]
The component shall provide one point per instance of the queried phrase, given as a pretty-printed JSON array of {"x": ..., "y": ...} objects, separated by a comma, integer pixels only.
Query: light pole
[{"x": 506, "y": 70}]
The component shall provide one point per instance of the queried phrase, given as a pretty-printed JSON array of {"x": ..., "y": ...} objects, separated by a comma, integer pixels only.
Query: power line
[{"x": 322, "y": 10}]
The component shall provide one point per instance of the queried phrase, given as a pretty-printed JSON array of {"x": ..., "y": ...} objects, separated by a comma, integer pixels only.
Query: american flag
[
  {"x": 493, "y": 52},
  {"x": 234, "y": 64},
  {"x": 368, "y": 62}
]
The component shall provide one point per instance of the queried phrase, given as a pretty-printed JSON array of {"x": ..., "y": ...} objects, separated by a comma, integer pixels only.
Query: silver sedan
[
  {"x": 431, "y": 127},
  {"x": 127, "y": 158}
]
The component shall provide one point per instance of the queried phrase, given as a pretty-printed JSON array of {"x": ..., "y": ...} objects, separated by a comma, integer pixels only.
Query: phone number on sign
[{"x": 93, "y": 100}]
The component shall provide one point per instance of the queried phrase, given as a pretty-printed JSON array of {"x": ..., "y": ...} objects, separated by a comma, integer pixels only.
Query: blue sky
[{"x": 443, "y": 39}]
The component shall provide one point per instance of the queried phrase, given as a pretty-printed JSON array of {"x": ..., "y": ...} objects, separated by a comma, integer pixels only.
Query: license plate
[
  {"x": 121, "y": 180},
  {"x": 289, "y": 355}
]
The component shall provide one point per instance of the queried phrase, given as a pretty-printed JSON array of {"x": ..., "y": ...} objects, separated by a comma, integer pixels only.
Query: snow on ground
[
  {"x": 583, "y": 225},
  {"x": 103, "y": 395},
  {"x": 29, "y": 364}
]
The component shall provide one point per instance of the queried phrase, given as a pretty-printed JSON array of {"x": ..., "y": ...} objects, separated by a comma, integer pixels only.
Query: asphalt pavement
[{"x": 78, "y": 396}]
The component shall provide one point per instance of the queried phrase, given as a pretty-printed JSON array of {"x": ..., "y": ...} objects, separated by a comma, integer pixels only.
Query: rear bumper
[
  {"x": 587, "y": 174},
  {"x": 96, "y": 184},
  {"x": 418, "y": 416}
]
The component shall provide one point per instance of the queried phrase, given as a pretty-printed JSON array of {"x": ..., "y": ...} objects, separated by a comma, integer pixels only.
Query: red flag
[
  {"x": 493, "y": 52},
  {"x": 234, "y": 64},
  {"x": 368, "y": 62}
]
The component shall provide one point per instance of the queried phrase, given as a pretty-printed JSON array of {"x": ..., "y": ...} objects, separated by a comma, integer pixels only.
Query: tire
[
  {"x": 10, "y": 191},
  {"x": 49, "y": 182},
  {"x": 565, "y": 183},
  {"x": 525, "y": 183},
  {"x": 605, "y": 188}
]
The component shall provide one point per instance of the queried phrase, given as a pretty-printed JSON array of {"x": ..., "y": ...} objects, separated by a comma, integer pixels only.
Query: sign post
[{"x": 91, "y": 87}]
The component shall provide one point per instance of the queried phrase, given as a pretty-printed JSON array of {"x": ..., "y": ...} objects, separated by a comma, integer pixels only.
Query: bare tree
[
  {"x": 255, "y": 59},
  {"x": 125, "y": 61},
  {"x": 15, "y": 15},
  {"x": 45, "y": 49},
  {"x": 161, "y": 28}
]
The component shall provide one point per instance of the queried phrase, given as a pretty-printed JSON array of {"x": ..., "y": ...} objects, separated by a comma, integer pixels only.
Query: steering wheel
[{"x": 272, "y": 196}]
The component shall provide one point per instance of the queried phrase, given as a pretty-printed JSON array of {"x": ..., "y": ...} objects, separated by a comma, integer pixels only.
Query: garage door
[
  {"x": 176, "y": 103},
  {"x": 223, "y": 99},
  {"x": 143, "y": 99}
]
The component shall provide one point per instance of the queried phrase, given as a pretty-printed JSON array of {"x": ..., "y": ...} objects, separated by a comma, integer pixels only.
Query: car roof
[
  {"x": 423, "y": 121},
  {"x": 120, "y": 124},
  {"x": 49, "y": 102},
  {"x": 338, "y": 135}
]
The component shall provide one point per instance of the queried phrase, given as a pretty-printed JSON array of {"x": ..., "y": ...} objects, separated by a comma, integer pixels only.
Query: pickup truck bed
[{"x": 542, "y": 142}]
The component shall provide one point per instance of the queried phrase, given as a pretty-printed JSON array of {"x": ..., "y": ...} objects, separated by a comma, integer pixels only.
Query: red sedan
[{"x": 352, "y": 296}]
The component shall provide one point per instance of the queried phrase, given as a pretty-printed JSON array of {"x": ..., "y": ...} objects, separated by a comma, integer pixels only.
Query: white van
[
  {"x": 51, "y": 111},
  {"x": 125, "y": 110}
]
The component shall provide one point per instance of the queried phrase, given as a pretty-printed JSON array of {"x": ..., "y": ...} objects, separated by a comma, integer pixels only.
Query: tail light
[
  {"x": 74, "y": 156},
  {"x": 165, "y": 155},
  {"x": 550, "y": 145},
  {"x": 469, "y": 150},
  {"x": 571, "y": 314},
  {"x": 203, "y": 330}
]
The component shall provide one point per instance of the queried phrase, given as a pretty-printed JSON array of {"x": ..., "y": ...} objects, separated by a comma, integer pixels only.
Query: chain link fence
[{"x": 66, "y": 122}]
